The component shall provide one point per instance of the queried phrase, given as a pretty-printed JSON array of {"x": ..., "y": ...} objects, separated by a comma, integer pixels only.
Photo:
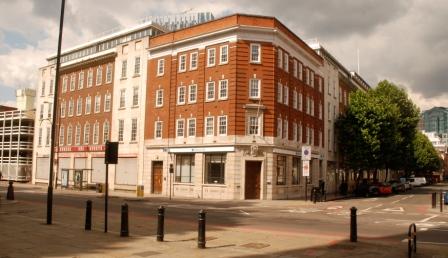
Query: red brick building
[{"x": 229, "y": 105}]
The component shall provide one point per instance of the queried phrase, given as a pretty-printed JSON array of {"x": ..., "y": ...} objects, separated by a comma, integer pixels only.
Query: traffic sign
[
  {"x": 305, "y": 168},
  {"x": 306, "y": 152}
]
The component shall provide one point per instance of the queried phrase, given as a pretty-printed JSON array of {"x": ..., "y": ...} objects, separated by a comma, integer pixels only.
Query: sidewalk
[{"x": 23, "y": 233}]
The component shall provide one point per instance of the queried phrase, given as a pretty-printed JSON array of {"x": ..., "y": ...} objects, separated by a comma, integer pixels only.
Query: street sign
[
  {"x": 305, "y": 168},
  {"x": 306, "y": 152}
]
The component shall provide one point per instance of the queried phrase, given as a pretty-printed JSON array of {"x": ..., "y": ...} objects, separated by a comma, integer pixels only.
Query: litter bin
[
  {"x": 140, "y": 189},
  {"x": 99, "y": 188}
]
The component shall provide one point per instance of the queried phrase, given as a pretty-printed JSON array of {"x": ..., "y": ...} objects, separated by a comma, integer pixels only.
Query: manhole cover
[
  {"x": 255, "y": 245},
  {"x": 146, "y": 254}
]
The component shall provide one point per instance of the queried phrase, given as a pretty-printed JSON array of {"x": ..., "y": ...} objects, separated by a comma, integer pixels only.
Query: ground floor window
[
  {"x": 281, "y": 170},
  {"x": 184, "y": 168},
  {"x": 215, "y": 168},
  {"x": 296, "y": 164}
]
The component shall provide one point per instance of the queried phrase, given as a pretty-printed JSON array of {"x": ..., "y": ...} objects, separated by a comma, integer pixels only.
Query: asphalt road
[{"x": 381, "y": 218}]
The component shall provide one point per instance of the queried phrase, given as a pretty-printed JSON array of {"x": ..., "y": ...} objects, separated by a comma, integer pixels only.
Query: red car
[{"x": 380, "y": 189}]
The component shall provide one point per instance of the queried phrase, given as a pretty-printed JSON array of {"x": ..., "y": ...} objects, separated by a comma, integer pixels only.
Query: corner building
[{"x": 229, "y": 103}]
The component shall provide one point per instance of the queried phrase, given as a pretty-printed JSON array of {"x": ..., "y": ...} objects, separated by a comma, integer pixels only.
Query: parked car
[
  {"x": 397, "y": 186},
  {"x": 407, "y": 184},
  {"x": 417, "y": 181},
  {"x": 384, "y": 188},
  {"x": 445, "y": 197}
]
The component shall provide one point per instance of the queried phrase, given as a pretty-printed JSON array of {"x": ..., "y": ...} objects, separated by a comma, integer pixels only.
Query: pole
[
  {"x": 201, "y": 229},
  {"x": 306, "y": 190},
  {"x": 353, "y": 225},
  {"x": 88, "y": 225},
  {"x": 106, "y": 196},
  {"x": 434, "y": 200},
  {"x": 160, "y": 223},
  {"x": 53, "y": 124}
]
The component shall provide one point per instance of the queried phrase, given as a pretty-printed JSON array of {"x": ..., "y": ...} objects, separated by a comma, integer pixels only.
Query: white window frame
[
  {"x": 62, "y": 110},
  {"x": 122, "y": 101},
  {"x": 250, "y": 125},
  {"x": 96, "y": 133},
  {"x": 158, "y": 129},
  {"x": 211, "y": 61},
  {"x": 135, "y": 95},
  {"x": 86, "y": 137},
  {"x": 294, "y": 99},
  {"x": 78, "y": 134},
  {"x": 220, "y": 89},
  {"x": 90, "y": 78},
  {"x": 300, "y": 71},
  {"x": 251, "y": 88},
  {"x": 280, "y": 58},
  {"x": 181, "y": 95},
  {"x": 99, "y": 75},
  {"x": 206, "y": 125},
  {"x": 97, "y": 107},
  {"x": 286, "y": 95},
  {"x": 191, "y": 127},
  {"x": 294, "y": 131},
  {"x": 134, "y": 129},
  {"x": 79, "y": 106},
  {"x": 182, "y": 63},
  {"x": 294, "y": 68},
  {"x": 279, "y": 92},
  {"x": 207, "y": 91},
  {"x": 81, "y": 80},
  {"x": 124, "y": 68},
  {"x": 69, "y": 134},
  {"x": 109, "y": 73},
  {"x": 71, "y": 107},
  {"x": 285, "y": 129},
  {"x": 190, "y": 95},
  {"x": 223, "y": 53},
  {"x": 300, "y": 102},
  {"x": 160, "y": 67},
  {"x": 61, "y": 135},
  {"x": 159, "y": 98},
  {"x": 64, "y": 83},
  {"x": 120, "y": 136},
  {"x": 72, "y": 82},
  {"x": 195, "y": 55},
  {"x": 107, "y": 102},
  {"x": 88, "y": 106},
  {"x": 286, "y": 62},
  {"x": 258, "y": 55},
  {"x": 220, "y": 126},
  {"x": 106, "y": 131},
  {"x": 279, "y": 127},
  {"x": 137, "y": 66},
  {"x": 312, "y": 79},
  {"x": 180, "y": 130}
]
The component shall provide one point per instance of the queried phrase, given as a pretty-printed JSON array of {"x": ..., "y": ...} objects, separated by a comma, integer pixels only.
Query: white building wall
[{"x": 43, "y": 98}]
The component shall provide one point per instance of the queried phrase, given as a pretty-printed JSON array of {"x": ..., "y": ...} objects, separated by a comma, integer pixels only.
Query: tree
[
  {"x": 377, "y": 129},
  {"x": 425, "y": 156}
]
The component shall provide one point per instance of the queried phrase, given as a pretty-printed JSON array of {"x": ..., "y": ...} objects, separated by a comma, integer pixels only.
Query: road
[{"x": 380, "y": 219}]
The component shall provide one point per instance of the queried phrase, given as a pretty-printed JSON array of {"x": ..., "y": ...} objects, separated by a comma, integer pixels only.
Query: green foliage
[
  {"x": 426, "y": 158},
  {"x": 378, "y": 128}
]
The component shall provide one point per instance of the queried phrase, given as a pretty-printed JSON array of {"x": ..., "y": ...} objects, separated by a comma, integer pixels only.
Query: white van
[{"x": 417, "y": 181}]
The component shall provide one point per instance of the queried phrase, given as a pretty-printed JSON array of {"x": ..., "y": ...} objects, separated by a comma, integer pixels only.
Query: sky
[{"x": 403, "y": 41}]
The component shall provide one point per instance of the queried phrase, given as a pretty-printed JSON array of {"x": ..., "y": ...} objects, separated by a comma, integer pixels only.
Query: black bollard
[
  {"x": 88, "y": 225},
  {"x": 160, "y": 223},
  {"x": 441, "y": 201},
  {"x": 353, "y": 226},
  {"x": 10, "y": 193},
  {"x": 124, "y": 232},
  {"x": 201, "y": 229},
  {"x": 434, "y": 200}
]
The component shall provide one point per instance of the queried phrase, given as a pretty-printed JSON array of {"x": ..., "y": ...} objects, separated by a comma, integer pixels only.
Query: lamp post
[{"x": 53, "y": 124}]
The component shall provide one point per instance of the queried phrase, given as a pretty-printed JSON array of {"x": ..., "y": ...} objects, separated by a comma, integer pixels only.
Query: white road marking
[
  {"x": 379, "y": 205},
  {"x": 245, "y": 213},
  {"x": 429, "y": 218},
  {"x": 302, "y": 210},
  {"x": 438, "y": 229},
  {"x": 334, "y": 207},
  {"x": 402, "y": 199},
  {"x": 395, "y": 209},
  {"x": 423, "y": 229},
  {"x": 433, "y": 243},
  {"x": 370, "y": 200}
]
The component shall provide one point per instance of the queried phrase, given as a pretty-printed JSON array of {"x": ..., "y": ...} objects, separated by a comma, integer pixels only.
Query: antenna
[{"x": 358, "y": 59}]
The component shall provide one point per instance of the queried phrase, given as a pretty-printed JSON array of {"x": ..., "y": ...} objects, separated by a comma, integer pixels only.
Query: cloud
[{"x": 403, "y": 41}]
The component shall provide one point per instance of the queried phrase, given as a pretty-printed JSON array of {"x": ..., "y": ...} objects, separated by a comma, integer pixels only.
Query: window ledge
[
  {"x": 136, "y": 75},
  {"x": 123, "y": 78},
  {"x": 255, "y": 62},
  {"x": 216, "y": 185}
]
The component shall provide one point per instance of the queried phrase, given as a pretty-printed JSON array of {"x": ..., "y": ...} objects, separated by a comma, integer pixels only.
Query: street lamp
[{"x": 53, "y": 127}]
